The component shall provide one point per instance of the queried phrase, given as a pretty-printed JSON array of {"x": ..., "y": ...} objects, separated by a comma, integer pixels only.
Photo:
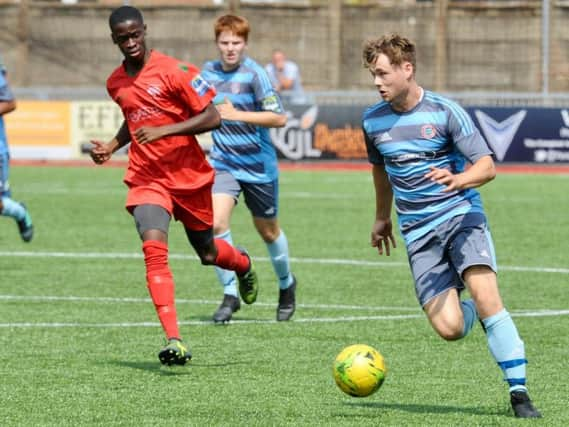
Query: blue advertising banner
[
  {"x": 324, "y": 132},
  {"x": 539, "y": 135}
]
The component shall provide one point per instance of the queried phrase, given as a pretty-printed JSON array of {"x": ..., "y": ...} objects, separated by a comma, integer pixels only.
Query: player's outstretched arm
[
  {"x": 266, "y": 119},
  {"x": 382, "y": 230},
  {"x": 205, "y": 121},
  {"x": 481, "y": 171},
  {"x": 101, "y": 151}
]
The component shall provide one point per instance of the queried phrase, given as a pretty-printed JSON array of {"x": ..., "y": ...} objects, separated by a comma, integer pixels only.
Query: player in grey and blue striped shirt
[
  {"x": 242, "y": 148},
  {"x": 418, "y": 143},
  {"x": 435, "y": 133},
  {"x": 245, "y": 160}
]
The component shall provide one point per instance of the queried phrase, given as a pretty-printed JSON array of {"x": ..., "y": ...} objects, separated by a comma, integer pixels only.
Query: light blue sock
[
  {"x": 469, "y": 314},
  {"x": 13, "y": 209},
  {"x": 507, "y": 348},
  {"x": 278, "y": 250},
  {"x": 227, "y": 278}
]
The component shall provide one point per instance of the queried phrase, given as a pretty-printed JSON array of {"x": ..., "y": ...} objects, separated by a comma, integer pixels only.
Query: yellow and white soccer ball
[{"x": 359, "y": 370}]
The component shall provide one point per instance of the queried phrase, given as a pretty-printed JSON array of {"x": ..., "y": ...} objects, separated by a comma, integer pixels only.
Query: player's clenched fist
[{"x": 100, "y": 152}]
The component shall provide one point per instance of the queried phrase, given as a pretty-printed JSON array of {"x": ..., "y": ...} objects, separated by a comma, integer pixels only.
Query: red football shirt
[{"x": 165, "y": 91}]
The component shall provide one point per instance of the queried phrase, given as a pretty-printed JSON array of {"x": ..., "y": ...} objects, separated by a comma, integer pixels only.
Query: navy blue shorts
[
  {"x": 439, "y": 258},
  {"x": 261, "y": 199}
]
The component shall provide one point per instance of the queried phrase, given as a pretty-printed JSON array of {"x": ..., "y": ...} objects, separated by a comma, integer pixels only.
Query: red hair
[{"x": 233, "y": 23}]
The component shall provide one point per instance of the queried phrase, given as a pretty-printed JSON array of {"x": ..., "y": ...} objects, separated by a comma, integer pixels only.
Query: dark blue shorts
[
  {"x": 261, "y": 199},
  {"x": 439, "y": 258}
]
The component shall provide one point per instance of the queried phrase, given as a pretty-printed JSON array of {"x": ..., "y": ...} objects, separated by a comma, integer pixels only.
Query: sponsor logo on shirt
[
  {"x": 200, "y": 85},
  {"x": 144, "y": 113},
  {"x": 154, "y": 90},
  {"x": 408, "y": 157},
  {"x": 271, "y": 103},
  {"x": 428, "y": 131}
]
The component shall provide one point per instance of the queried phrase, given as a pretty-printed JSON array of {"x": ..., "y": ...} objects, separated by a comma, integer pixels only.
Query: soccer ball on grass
[{"x": 359, "y": 370}]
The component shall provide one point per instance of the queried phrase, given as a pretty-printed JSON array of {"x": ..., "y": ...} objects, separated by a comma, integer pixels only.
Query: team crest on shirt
[
  {"x": 200, "y": 85},
  {"x": 183, "y": 67},
  {"x": 428, "y": 131},
  {"x": 235, "y": 88}
]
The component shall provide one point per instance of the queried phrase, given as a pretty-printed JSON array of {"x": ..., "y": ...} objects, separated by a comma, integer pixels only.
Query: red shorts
[{"x": 194, "y": 210}]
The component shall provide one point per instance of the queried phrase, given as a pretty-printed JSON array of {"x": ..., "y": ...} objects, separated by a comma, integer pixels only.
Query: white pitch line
[
  {"x": 121, "y": 300},
  {"x": 541, "y": 313},
  {"x": 334, "y": 261}
]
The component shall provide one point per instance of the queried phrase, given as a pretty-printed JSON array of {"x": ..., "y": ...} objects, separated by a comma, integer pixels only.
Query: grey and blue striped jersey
[
  {"x": 244, "y": 150},
  {"x": 437, "y": 132}
]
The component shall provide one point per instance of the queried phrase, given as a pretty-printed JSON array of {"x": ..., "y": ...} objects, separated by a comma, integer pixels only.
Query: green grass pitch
[{"x": 79, "y": 336}]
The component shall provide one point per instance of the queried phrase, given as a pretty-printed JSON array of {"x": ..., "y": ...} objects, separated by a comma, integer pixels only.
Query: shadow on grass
[
  {"x": 427, "y": 409},
  {"x": 157, "y": 368},
  {"x": 235, "y": 320},
  {"x": 153, "y": 367}
]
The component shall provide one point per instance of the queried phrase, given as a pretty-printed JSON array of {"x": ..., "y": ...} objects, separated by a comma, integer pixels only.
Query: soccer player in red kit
[{"x": 165, "y": 102}]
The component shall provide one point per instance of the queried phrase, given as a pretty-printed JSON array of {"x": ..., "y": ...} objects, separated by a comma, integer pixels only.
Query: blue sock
[
  {"x": 469, "y": 314},
  {"x": 13, "y": 209},
  {"x": 507, "y": 348},
  {"x": 227, "y": 278},
  {"x": 278, "y": 250}
]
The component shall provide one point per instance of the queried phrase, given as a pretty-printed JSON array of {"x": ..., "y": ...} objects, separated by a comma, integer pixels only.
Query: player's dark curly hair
[
  {"x": 397, "y": 48},
  {"x": 125, "y": 13}
]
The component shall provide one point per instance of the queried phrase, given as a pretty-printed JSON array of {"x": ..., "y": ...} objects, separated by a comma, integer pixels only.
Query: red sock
[
  {"x": 161, "y": 285},
  {"x": 230, "y": 258}
]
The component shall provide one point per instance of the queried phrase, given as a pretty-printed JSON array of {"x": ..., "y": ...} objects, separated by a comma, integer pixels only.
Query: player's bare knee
[
  {"x": 449, "y": 328},
  {"x": 220, "y": 228},
  {"x": 207, "y": 258},
  {"x": 451, "y": 336},
  {"x": 450, "y": 332},
  {"x": 269, "y": 235}
]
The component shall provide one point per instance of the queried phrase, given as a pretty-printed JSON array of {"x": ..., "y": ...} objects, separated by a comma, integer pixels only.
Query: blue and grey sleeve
[
  {"x": 373, "y": 154},
  {"x": 265, "y": 95},
  {"x": 465, "y": 136}
]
